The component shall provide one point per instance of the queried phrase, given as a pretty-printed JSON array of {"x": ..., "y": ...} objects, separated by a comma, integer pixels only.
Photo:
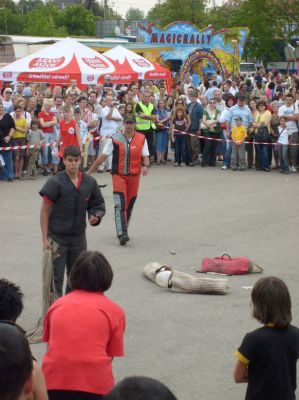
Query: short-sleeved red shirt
[
  {"x": 47, "y": 118},
  {"x": 68, "y": 135},
  {"x": 84, "y": 331}
]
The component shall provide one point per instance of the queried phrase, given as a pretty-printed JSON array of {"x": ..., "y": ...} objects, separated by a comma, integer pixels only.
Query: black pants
[
  {"x": 70, "y": 247},
  {"x": 209, "y": 151},
  {"x": 150, "y": 138},
  {"x": 72, "y": 395}
]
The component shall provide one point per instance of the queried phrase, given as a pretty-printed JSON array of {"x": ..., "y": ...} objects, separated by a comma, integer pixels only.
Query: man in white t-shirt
[
  {"x": 110, "y": 118},
  {"x": 291, "y": 113},
  {"x": 234, "y": 88}
]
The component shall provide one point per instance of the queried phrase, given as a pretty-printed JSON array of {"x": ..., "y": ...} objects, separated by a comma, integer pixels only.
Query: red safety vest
[{"x": 127, "y": 155}]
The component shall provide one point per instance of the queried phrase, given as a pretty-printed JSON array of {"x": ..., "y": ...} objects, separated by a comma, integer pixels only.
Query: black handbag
[{"x": 262, "y": 135}]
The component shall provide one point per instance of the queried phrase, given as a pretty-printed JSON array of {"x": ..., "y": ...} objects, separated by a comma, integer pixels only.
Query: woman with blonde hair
[{"x": 47, "y": 121}]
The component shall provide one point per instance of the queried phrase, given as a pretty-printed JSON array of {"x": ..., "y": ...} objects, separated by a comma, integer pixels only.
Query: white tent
[
  {"x": 145, "y": 68},
  {"x": 58, "y": 64}
]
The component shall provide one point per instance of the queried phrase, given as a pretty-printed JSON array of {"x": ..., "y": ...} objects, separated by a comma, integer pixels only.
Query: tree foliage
[
  {"x": 36, "y": 18},
  {"x": 134, "y": 14},
  {"x": 168, "y": 11}
]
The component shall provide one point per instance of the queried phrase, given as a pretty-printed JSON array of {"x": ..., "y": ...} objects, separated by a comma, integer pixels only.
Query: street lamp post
[
  {"x": 5, "y": 19},
  {"x": 297, "y": 56},
  {"x": 234, "y": 44}
]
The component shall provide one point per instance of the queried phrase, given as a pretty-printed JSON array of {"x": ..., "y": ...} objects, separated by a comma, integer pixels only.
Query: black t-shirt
[
  {"x": 272, "y": 354},
  {"x": 6, "y": 123}
]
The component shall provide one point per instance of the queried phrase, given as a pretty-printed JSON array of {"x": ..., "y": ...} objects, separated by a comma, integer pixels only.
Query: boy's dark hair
[
  {"x": 91, "y": 272},
  {"x": 290, "y": 95},
  {"x": 34, "y": 121},
  {"x": 11, "y": 301},
  {"x": 72, "y": 151},
  {"x": 272, "y": 302},
  {"x": 140, "y": 388},
  {"x": 77, "y": 110},
  {"x": 81, "y": 98},
  {"x": 15, "y": 361}
]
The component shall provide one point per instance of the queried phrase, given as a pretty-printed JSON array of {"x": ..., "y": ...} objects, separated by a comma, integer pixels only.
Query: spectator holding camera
[{"x": 110, "y": 119}]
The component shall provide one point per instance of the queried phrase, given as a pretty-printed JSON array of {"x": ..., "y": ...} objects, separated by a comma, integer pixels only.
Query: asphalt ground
[{"x": 186, "y": 341}]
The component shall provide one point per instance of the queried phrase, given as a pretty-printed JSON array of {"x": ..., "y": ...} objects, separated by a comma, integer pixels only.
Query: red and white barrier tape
[
  {"x": 37, "y": 146},
  {"x": 224, "y": 140}
]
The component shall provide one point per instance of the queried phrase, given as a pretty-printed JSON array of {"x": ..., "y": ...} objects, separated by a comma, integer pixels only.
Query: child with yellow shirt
[{"x": 238, "y": 137}]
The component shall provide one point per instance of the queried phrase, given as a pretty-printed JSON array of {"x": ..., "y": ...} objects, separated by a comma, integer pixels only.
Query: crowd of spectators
[{"x": 196, "y": 123}]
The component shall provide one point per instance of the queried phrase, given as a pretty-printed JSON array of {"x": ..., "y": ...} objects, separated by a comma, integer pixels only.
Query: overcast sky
[{"x": 122, "y": 6}]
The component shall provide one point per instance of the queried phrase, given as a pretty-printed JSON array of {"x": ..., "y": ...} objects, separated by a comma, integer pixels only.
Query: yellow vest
[{"x": 144, "y": 124}]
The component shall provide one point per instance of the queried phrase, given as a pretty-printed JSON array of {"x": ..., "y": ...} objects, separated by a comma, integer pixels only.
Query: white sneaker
[
  {"x": 293, "y": 168},
  {"x": 224, "y": 167},
  {"x": 183, "y": 164},
  {"x": 176, "y": 164}
]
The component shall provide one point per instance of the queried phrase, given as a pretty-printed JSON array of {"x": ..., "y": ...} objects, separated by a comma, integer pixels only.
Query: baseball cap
[
  {"x": 241, "y": 97},
  {"x": 129, "y": 118}
]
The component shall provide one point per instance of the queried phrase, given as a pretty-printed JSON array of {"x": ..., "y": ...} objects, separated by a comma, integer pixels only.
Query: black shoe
[
  {"x": 10, "y": 180},
  {"x": 123, "y": 239},
  {"x": 45, "y": 172}
]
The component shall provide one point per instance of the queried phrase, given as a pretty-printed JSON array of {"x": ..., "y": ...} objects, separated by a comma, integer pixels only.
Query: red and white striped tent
[
  {"x": 128, "y": 60},
  {"x": 61, "y": 62}
]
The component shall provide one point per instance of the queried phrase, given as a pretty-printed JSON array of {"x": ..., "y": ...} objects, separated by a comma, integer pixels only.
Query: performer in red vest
[{"x": 130, "y": 158}]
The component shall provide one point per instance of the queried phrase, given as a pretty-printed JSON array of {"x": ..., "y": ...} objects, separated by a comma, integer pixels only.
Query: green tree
[
  {"x": 45, "y": 20},
  {"x": 168, "y": 11},
  {"x": 79, "y": 21},
  {"x": 25, "y": 6},
  {"x": 94, "y": 7},
  {"x": 11, "y": 23},
  {"x": 39, "y": 24},
  {"x": 134, "y": 13}
]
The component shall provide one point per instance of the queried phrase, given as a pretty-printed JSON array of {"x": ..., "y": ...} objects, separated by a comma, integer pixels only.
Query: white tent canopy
[{"x": 59, "y": 63}]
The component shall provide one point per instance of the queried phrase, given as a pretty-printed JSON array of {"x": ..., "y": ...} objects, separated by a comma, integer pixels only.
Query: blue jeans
[
  {"x": 283, "y": 156},
  {"x": 262, "y": 153},
  {"x": 8, "y": 167},
  {"x": 161, "y": 141},
  {"x": 47, "y": 151},
  {"x": 180, "y": 149},
  {"x": 228, "y": 154}
]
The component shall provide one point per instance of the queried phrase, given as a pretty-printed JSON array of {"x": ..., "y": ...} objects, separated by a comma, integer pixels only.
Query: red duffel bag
[{"x": 229, "y": 266}]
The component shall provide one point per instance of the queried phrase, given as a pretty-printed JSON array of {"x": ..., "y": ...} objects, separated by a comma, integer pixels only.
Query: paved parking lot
[{"x": 186, "y": 341}]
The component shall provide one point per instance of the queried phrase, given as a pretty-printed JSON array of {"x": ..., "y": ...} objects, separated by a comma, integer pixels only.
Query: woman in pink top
[{"x": 84, "y": 331}]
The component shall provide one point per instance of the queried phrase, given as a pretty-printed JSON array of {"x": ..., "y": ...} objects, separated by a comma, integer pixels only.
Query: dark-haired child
[
  {"x": 35, "y": 136},
  {"x": 11, "y": 306},
  {"x": 68, "y": 197},
  {"x": 179, "y": 124},
  {"x": 84, "y": 331},
  {"x": 268, "y": 355}
]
